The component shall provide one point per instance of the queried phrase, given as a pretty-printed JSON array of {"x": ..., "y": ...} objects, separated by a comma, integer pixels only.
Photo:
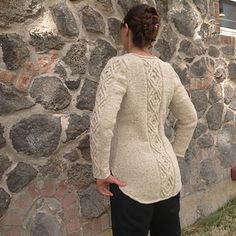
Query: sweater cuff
[{"x": 101, "y": 174}]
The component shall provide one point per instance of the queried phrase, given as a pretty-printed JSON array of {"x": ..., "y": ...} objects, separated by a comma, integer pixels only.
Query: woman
[{"x": 129, "y": 149}]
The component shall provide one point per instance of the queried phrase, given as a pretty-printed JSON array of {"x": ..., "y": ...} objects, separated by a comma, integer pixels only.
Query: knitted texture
[{"x": 127, "y": 126}]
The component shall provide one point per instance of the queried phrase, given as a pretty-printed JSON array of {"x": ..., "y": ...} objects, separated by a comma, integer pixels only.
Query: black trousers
[{"x": 131, "y": 218}]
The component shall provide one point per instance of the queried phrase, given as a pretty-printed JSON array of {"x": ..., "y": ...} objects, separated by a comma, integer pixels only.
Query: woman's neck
[{"x": 140, "y": 51}]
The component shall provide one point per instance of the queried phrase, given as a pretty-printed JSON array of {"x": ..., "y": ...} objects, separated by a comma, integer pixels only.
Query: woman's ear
[{"x": 126, "y": 30}]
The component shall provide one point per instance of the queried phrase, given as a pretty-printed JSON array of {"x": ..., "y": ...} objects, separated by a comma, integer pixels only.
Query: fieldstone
[
  {"x": 192, "y": 151},
  {"x": 200, "y": 129},
  {"x": 184, "y": 170},
  {"x": 191, "y": 49},
  {"x": 93, "y": 20},
  {"x": 20, "y": 177},
  {"x": 220, "y": 75},
  {"x": 229, "y": 115},
  {"x": 12, "y": 101},
  {"x": 5, "y": 164},
  {"x": 86, "y": 99},
  {"x": 232, "y": 104},
  {"x": 37, "y": 135},
  {"x": 5, "y": 200},
  {"x": 228, "y": 50},
  {"x": 80, "y": 176},
  {"x": 166, "y": 44},
  {"x": 185, "y": 21},
  {"x": 215, "y": 93},
  {"x": 200, "y": 100},
  {"x": 205, "y": 141},
  {"x": 15, "y": 51},
  {"x": 92, "y": 203},
  {"x": 64, "y": 19},
  {"x": 76, "y": 57},
  {"x": 72, "y": 155},
  {"x": 77, "y": 126},
  {"x": 105, "y": 3},
  {"x": 182, "y": 72},
  {"x": 208, "y": 172},
  {"x": 228, "y": 92},
  {"x": 232, "y": 70},
  {"x": 2, "y": 139},
  {"x": 114, "y": 29},
  {"x": 18, "y": 11},
  {"x": 60, "y": 70},
  {"x": 202, "y": 6},
  {"x": 199, "y": 68},
  {"x": 102, "y": 52},
  {"x": 46, "y": 225},
  {"x": 126, "y": 5},
  {"x": 213, "y": 51},
  {"x": 44, "y": 40},
  {"x": 84, "y": 147},
  {"x": 53, "y": 168},
  {"x": 205, "y": 31},
  {"x": 50, "y": 92},
  {"x": 214, "y": 116},
  {"x": 227, "y": 145}
]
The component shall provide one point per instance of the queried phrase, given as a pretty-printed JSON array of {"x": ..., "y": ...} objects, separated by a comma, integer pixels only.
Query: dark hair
[{"x": 144, "y": 22}]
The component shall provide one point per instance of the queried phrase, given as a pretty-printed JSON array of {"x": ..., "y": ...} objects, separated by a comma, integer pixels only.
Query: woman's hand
[{"x": 102, "y": 184}]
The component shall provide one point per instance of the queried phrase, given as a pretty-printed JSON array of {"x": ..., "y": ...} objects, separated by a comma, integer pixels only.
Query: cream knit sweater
[{"x": 127, "y": 126}]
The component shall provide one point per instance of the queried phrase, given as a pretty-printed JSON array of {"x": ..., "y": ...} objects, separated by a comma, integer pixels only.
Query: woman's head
[{"x": 143, "y": 21}]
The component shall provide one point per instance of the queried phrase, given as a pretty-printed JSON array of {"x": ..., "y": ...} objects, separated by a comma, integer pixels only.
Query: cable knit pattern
[
  {"x": 127, "y": 126},
  {"x": 155, "y": 99}
]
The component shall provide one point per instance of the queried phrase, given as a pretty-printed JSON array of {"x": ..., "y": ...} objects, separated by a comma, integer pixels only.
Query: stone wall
[{"x": 51, "y": 55}]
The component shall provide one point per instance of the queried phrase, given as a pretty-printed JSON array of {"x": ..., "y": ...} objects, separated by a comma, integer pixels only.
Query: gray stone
[
  {"x": 213, "y": 51},
  {"x": 205, "y": 141},
  {"x": 228, "y": 92},
  {"x": 37, "y": 135},
  {"x": 18, "y": 11},
  {"x": 84, "y": 148},
  {"x": 53, "y": 168},
  {"x": 93, "y": 204},
  {"x": 126, "y": 5},
  {"x": 215, "y": 93},
  {"x": 182, "y": 72},
  {"x": 12, "y": 101},
  {"x": 50, "y": 92},
  {"x": 199, "y": 68},
  {"x": 191, "y": 49},
  {"x": 20, "y": 177},
  {"x": 229, "y": 115},
  {"x": 208, "y": 172},
  {"x": 185, "y": 21},
  {"x": 76, "y": 57},
  {"x": 214, "y": 116},
  {"x": 2, "y": 139},
  {"x": 166, "y": 44},
  {"x": 5, "y": 164},
  {"x": 64, "y": 19},
  {"x": 204, "y": 31},
  {"x": 202, "y": 6},
  {"x": 86, "y": 99},
  {"x": 60, "y": 70},
  {"x": 192, "y": 151},
  {"x": 15, "y": 51},
  {"x": 93, "y": 20},
  {"x": 77, "y": 126},
  {"x": 102, "y": 52},
  {"x": 220, "y": 75},
  {"x": 200, "y": 129},
  {"x": 232, "y": 70},
  {"x": 45, "y": 225},
  {"x": 114, "y": 29},
  {"x": 80, "y": 176},
  {"x": 200, "y": 100},
  {"x": 72, "y": 155},
  {"x": 45, "y": 40},
  {"x": 184, "y": 170},
  {"x": 227, "y": 145},
  {"x": 105, "y": 3},
  {"x": 5, "y": 200},
  {"x": 228, "y": 50},
  {"x": 232, "y": 104}
]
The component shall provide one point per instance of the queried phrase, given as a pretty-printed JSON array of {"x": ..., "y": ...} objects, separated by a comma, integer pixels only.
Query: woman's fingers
[
  {"x": 105, "y": 191},
  {"x": 114, "y": 180}
]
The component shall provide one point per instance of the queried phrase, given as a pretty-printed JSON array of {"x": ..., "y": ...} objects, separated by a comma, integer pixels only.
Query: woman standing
[{"x": 129, "y": 149}]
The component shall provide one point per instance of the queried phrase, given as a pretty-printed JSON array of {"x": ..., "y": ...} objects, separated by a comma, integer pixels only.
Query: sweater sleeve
[
  {"x": 111, "y": 90},
  {"x": 184, "y": 111}
]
